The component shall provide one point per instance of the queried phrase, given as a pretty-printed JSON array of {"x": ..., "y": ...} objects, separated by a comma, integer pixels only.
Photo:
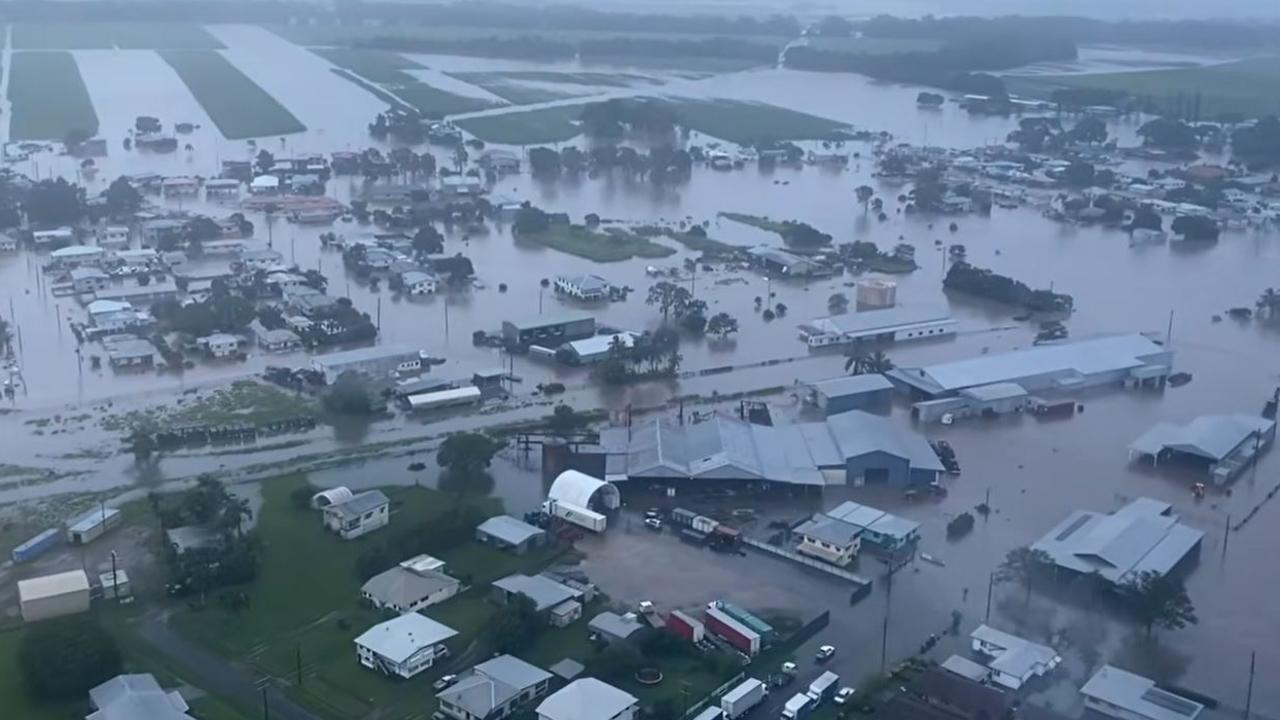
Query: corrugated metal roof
[
  {"x": 586, "y": 699},
  {"x": 852, "y": 385},
  {"x": 562, "y": 317},
  {"x": 1208, "y": 436},
  {"x": 882, "y": 320},
  {"x": 995, "y": 391},
  {"x": 509, "y": 529},
  {"x": 401, "y": 637},
  {"x": 542, "y": 590},
  {"x": 1135, "y": 538},
  {"x": 1084, "y": 357},
  {"x": 825, "y": 528},
  {"x": 858, "y": 433},
  {"x": 402, "y": 588},
  {"x": 1138, "y": 695},
  {"x": 359, "y": 504}
]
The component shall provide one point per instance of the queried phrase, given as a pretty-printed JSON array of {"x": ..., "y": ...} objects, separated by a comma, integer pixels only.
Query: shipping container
[
  {"x": 704, "y": 524},
  {"x": 738, "y": 701},
  {"x": 693, "y": 537},
  {"x": 824, "y": 687},
  {"x": 90, "y": 526},
  {"x": 444, "y": 398},
  {"x": 731, "y": 631},
  {"x": 798, "y": 707},
  {"x": 36, "y": 546},
  {"x": 682, "y": 517},
  {"x": 762, "y": 628},
  {"x": 689, "y": 628}
]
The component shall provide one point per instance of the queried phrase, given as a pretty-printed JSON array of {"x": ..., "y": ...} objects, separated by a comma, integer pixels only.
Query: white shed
[{"x": 53, "y": 595}]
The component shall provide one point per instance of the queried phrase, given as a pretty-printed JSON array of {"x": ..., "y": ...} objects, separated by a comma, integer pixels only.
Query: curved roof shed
[{"x": 580, "y": 489}]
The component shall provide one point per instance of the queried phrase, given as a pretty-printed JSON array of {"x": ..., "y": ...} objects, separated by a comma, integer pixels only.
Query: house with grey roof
[
  {"x": 361, "y": 514},
  {"x": 560, "y": 603},
  {"x": 1223, "y": 444},
  {"x": 403, "y": 646},
  {"x": 837, "y": 535},
  {"x": 1143, "y": 536},
  {"x": 588, "y": 699},
  {"x": 612, "y": 627},
  {"x": 494, "y": 689},
  {"x": 509, "y": 533},
  {"x": 896, "y": 324},
  {"x": 135, "y": 697},
  {"x": 129, "y": 351},
  {"x": 1127, "y": 696},
  {"x": 403, "y": 589},
  {"x": 828, "y": 539}
]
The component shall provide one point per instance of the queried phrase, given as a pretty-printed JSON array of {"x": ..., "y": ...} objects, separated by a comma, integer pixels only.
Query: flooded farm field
[{"x": 1033, "y": 472}]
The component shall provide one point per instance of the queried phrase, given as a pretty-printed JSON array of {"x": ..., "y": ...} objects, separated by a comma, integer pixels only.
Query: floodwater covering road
[{"x": 1036, "y": 473}]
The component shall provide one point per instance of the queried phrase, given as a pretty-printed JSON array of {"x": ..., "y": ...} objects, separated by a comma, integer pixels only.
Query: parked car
[
  {"x": 843, "y": 695},
  {"x": 652, "y": 514},
  {"x": 825, "y": 653},
  {"x": 444, "y": 682},
  {"x": 653, "y": 523}
]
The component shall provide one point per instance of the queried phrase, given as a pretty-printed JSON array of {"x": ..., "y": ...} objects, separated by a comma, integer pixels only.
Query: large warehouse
[
  {"x": 853, "y": 447},
  {"x": 1069, "y": 365}
]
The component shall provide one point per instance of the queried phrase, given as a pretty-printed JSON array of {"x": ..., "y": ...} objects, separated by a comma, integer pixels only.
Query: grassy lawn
[
  {"x": 13, "y": 697},
  {"x": 49, "y": 97},
  {"x": 528, "y": 127},
  {"x": 747, "y": 122},
  {"x": 874, "y": 45},
  {"x": 107, "y": 35},
  {"x": 1244, "y": 86},
  {"x": 385, "y": 71},
  {"x": 612, "y": 245},
  {"x": 238, "y": 106},
  {"x": 331, "y": 35},
  {"x": 243, "y": 401},
  {"x": 304, "y": 604},
  {"x": 756, "y": 221}
]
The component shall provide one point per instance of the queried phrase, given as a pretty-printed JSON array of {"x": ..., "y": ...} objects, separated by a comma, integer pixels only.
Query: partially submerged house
[
  {"x": 1224, "y": 444},
  {"x": 893, "y": 324},
  {"x": 1011, "y": 660},
  {"x": 1127, "y": 696},
  {"x": 837, "y": 535}
]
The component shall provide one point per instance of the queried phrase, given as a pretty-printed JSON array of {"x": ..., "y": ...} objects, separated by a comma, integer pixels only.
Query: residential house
[
  {"x": 377, "y": 361},
  {"x": 136, "y": 697},
  {"x": 1012, "y": 660},
  {"x": 511, "y": 534},
  {"x": 110, "y": 316},
  {"x": 8, "y": 243},
  {"x": 558, "y": 602},
  {"x": 163, "y": 232},
  {"x": 113, "y": 237},
  {"x": 265, "y": 185},
  {"x": 283, "y": 281},
  {"x": 263, "y": 259},
  {"x": 139, "y": 295},
  {"x": 829, "y": 539},
  {"x": 55, "y": 238},
  {"x": 459, "y": 186},
  {"x": 179, "y": 187},
  {"x": 87, "y": 279},
  {"x": 220, "y": 345},
  {"x": 361, "y": 514},
  {"x": 403, "y": 646},
  {"x": 588, "y": 699},
  {"x": 306, "y": 300},
  {"x": 279, "y": 340},
  {"x": 494, "y": 689},
  {"x": 499, "y": 161},
  {"x": 417, "y": 282},
  {"x": 1126, "y": 696},
  {"x": 886, "y": 532},
  {"x": 405, "y": 590},
  {"x": 74, "y": 256},
  {"x": 129, "y": 351},
  {"x": 583, "y": 287}
]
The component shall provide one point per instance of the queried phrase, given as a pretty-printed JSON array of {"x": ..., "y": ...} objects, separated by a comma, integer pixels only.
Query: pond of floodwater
[{"x": 1036, "y": 472}]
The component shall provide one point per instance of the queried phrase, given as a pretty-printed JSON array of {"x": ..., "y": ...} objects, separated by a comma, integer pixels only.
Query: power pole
[
  {"x": 991, "y": 581},
  {"x": 1248, "y": 698},
  {"x": 298, "y": 663}
]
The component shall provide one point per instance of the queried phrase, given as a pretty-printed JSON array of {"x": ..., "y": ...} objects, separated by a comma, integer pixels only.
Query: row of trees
[
  {"x": 660, "y": 164},
  {"x": 653, "y": 354},
  {"x": 1038, "y": 134},
  {"x": 963, "y": 277}
]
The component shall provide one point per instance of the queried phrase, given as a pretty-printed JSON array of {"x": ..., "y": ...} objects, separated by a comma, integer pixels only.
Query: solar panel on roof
[{"x": 1170, "y": 702}]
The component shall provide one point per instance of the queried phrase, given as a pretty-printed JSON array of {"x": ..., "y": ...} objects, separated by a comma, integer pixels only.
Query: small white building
[
  {"x": 50, "y": 596},
  {"x": 583, "y": 287},
  {"x": 89, "y": 279},
  {"x": 135, "y": 697},
  {"x": 494, "y": 689},
  {"x": 220, "y": 345},
  {"x": 265, "y": 185},
  {"x": 74, "y": 256},
  {"x": 1012, "y": 660},
  {"x": 404, "y": 646},
  {"x": 279, "y": 340},
  {"x": 361, "y": 514},
  {"x": 588, "y": 699},
  {"x": 53, "y": 238},
  {"x": 417, "y": 282}
]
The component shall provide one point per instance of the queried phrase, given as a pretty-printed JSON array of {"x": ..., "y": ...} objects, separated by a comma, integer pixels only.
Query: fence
[{"x": 806, "y": 560}]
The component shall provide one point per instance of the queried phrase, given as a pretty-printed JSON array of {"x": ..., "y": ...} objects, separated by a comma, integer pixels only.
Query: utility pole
[
  {"x": 115, "y": 579},
  {"x": 1248, "y": 698},
  {"x": 991, "y": 581},
  {"x": 298, "y": 663},
  {"x": 266, "y": 711},
  {"x": 884, "y": 642},
  {"x": 379, "y": 313},
  {"x": 1226, "y": 536}
]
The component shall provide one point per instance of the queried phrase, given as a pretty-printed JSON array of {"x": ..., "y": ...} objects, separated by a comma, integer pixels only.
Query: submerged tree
[
  {"x": 868, "y": 363},
  {"x": 465, "y": 458},
  {"x": 1159, "y": 600},
  {"x": 1023, "y": 565}
]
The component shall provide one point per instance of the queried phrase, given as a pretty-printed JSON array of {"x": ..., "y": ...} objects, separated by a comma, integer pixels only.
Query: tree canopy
[
  {"x": 63, "y": 658},
  {"x": 1159, "y": 600},
  {"x": 465, "y": 458}
]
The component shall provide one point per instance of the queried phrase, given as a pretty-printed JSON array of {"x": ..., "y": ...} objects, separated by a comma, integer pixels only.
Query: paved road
[{"x": 215, "y": 674}]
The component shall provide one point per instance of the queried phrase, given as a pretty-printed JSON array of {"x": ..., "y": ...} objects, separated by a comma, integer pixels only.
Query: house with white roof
[
  {"x": 417, "y": 282},
  {"x": 494, "y": 689},
  {"x": 89, "y": 279},
  {"x": 583, "y": 287},
  {"x": 359, "y": 515},
  {"x": 1124, "y": 695},
  {"x": 136, "y": 697},
  {"x": 1012, "y": 661},
  {"x": 588, "y": 699},
  {"x": 403, "y": 646},
  {"x": 1143, "y": 536},
  {"x": 837, "y": 535}
]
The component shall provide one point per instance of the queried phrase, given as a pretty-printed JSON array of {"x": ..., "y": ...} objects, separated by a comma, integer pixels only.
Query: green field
[
  {"x": 386, "y": 70},
  {"x": 107, "y": 35},
  {"x": 612, "y": 245},
  {"x": 526, "y": 127},
  {"x": 1251, "y": 86},
  {"x": 874, "y": 45},
  {"x": 514, "y": 88},
  {"x": 732, "y": 120},
  {"x": 13, "y": 697},
  {"x": 334, "y": 35},
  {"x": 238, "y": 106},
  {"x": 49, "y": 97}
]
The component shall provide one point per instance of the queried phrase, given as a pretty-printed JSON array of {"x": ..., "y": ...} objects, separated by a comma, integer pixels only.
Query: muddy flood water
[{"x": 1036, "y": 472}]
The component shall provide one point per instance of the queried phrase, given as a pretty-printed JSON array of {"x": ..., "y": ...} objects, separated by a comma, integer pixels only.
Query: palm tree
[
  {"x": 1269, "y": 303},
  {"x": 867, "y": 364}
]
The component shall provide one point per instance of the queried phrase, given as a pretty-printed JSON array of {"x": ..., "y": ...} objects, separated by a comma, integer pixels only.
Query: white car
[
  {"x": 843, "y": 695},
  {"x": 825, "y": 653},
  {"x": 653, "y": 523}
]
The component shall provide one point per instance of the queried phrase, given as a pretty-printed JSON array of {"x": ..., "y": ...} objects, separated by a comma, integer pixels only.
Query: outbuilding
[
  {"x": 509, "y": 533},
  {"x": 549, "y": 330},
  {"x": 871, "y": 391},
  {"x": 51, "y": 596},
  {"x": 612, "y": 627},
  {"x": 91, "y": 525},
  {"x": 361, "y": 514}
]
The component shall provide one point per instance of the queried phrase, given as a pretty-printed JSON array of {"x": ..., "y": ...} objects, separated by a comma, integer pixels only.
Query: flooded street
[{"x": 1036, "y": 472}]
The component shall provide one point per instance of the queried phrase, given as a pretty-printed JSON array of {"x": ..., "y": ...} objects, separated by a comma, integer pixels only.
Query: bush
[
  {"x": 300, "y": 498},
  {"x": 61, "y": 659}
]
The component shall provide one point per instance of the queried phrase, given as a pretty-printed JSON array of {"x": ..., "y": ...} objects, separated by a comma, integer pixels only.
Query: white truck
[
  {"x": 746, "y": 695},
  {"x": 824, "y": 687},
  {"x": 798, "y": 707}
]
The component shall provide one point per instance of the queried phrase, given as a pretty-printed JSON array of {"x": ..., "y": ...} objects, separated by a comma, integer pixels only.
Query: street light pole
[{"x": 991, "y": 581}]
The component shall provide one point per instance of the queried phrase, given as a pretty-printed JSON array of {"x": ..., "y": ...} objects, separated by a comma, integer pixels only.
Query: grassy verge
[
  {"x": 528, "y": 127},
  {"x": 513, "y": 86},
  {"x": 378, "y": 92},
  {"x": 243, "y": 401},
  {"x": 1232, "y": 87},
  {"x": 107, "y": 35},
  {"x": 612, "y": 245},
  {"x": 756, "y": 221},
  {"x": 238, "y": 106},
  {"x": 49, "y": 97},
  {"x": 383, "y": 74},
  {"x": 747, "y": 122},
  {"x": 697, "y": 243},
  {"x": 515, "y": 92}
]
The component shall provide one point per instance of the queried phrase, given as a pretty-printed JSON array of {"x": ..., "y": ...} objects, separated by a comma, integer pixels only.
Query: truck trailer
[
  {"x": 746, "y": 695},
  {"x": 690, "y": 629},
  {"x": 731, "y": 631},
  {"x": 798, "y": 707},
  {"x": 824, "y": 687}
]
